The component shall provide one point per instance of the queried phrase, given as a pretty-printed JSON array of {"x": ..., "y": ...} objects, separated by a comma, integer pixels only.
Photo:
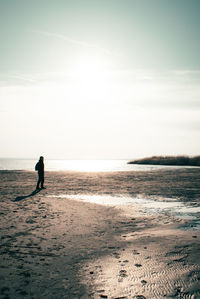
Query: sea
[{"x": 77, "y": 165}]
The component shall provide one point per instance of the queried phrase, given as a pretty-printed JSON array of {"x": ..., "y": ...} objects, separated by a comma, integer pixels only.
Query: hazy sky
[{"x": 99, "y": 78}]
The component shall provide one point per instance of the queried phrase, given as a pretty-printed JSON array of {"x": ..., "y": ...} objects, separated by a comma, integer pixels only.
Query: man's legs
[
  {"x": 40, "y": 180},
  {"x": 42, "y": 183},
  {"x": 38, "y": 184}
]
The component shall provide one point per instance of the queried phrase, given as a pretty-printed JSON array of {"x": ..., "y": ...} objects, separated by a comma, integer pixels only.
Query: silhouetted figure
[{"x": 39, "y": 167}]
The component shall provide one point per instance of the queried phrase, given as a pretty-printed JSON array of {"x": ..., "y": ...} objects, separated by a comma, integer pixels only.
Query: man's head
[{"x": 41, "y": 158}]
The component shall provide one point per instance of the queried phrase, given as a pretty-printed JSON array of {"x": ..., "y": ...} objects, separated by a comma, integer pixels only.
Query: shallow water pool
[{"x": 148, "y": 205}]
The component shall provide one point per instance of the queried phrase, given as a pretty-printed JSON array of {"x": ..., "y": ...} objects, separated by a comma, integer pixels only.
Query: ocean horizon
[{"x": 77, "y": 165}]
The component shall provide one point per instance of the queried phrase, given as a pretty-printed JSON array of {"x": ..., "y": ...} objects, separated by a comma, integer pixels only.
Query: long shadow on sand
[{"x": 18, "y": 198}]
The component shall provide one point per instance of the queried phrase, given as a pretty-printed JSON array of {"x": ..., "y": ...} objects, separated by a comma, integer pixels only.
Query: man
[{"x": 39, "y": 167}]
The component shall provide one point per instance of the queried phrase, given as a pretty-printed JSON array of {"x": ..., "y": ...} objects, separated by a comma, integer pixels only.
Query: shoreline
[
  {"x": 182, "y": 183},
  {"x": 53, "y": 246}
]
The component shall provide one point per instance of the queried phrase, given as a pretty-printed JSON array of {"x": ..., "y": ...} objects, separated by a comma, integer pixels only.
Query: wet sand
[{"x": 57, "y": 247}]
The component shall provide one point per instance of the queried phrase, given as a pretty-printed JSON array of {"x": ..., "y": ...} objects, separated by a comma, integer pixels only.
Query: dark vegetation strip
[{"x": 169, "y": 160}]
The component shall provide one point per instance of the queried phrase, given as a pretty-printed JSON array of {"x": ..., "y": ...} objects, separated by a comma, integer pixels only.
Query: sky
[{"x": 99, "y": 79}]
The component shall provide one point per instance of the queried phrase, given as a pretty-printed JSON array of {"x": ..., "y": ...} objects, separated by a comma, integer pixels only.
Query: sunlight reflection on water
[
  {"x": 79, "y": 165},
  {"x": 151, "y": 206},
  {"x": 89, "y": 165}
]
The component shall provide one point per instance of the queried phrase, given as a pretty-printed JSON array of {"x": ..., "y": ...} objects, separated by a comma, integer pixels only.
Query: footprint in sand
[
  {"x": 122, "y": 273},
  {"x": 116, "y": 255},
  {"x": 143, "y": 282},
  {"x": 31, "y": 220},
  {"x": 135, "y": 252},
  {"x": 138, "y": 265}
]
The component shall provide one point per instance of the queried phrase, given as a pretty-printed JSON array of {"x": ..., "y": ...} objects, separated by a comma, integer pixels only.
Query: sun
[
  {"x": 90, "y": 70},
  {"x": 88, "y": 80}
]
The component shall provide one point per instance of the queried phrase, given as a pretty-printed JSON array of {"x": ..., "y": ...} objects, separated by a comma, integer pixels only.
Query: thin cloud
[
  {"x": 20, "y": 77},
  {"x": 23, "y": 78},
  {"x": 186, "y": 72},
  {"x": 73, "y": 41}
]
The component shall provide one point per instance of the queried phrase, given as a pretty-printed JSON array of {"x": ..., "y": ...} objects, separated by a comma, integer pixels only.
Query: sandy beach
[{"x": 57, "y": 244}]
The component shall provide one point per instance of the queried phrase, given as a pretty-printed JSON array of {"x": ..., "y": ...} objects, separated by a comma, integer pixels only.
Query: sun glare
[{"x": 90, "y": 71}]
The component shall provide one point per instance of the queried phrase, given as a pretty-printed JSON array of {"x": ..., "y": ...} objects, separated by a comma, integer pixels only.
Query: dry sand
[{"x": 55, "y": 247}]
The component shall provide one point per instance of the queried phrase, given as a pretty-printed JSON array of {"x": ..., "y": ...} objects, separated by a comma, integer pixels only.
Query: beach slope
[{"x": 55, "y": 244}]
